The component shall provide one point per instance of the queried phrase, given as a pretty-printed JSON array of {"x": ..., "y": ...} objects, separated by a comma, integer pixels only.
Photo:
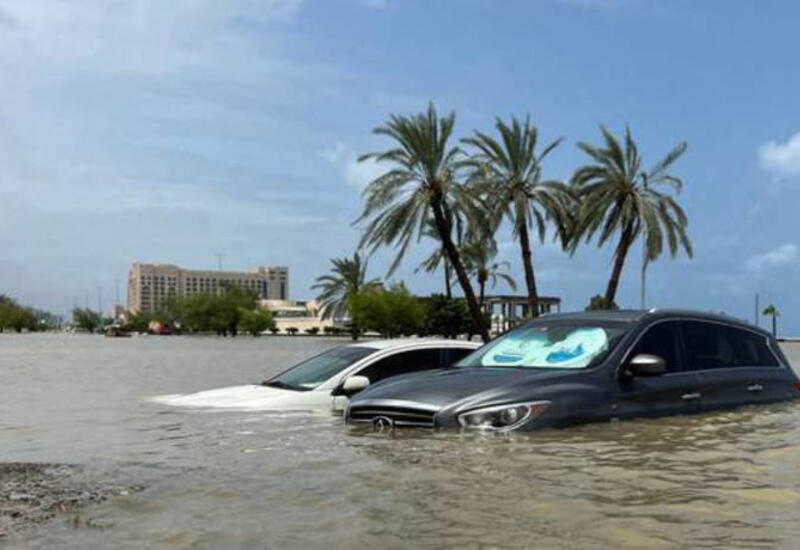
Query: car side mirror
[
  {"x": 351, "y": 385},
  {"x": 645, "y": 364}
]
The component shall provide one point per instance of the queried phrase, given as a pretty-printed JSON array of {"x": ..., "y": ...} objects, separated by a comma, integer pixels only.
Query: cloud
[
  {"x": 781, "y": 160},
  {"x": 356, "y": 174},
  {"x": 783, "y": 256}
]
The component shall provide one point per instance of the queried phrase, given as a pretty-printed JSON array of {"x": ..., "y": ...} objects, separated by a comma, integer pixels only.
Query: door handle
[
  {"x": 755, "y": 387},
  {"x": 691, "y": 396}
]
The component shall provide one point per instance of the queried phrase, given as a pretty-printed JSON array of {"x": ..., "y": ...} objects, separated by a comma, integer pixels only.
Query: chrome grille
[{"x": 400, "y": 416}]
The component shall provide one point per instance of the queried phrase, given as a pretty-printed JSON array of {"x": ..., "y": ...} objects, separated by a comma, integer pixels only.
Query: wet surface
[{"x": 244, "y": 479}]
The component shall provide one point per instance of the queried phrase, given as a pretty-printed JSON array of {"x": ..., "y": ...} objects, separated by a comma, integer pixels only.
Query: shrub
[
  {"x": 292, "y": 330},
  {"x": 255, "y": 321},
  {"x": 312, "y": 331}
]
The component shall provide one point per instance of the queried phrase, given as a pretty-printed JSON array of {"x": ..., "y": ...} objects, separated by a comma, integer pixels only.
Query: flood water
[{"x": 222, "y": 479}]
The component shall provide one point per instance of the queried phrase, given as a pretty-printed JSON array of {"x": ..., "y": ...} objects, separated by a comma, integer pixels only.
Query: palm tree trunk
[
  {"x": 444, "y": 228},
  {"x": 527, "y": 262},
  {"x": 774, "y": 325},
  {"x": 448, "y": 288},
  {"x": 619, "y": 261},
  {"x": 480, "y": 300}
]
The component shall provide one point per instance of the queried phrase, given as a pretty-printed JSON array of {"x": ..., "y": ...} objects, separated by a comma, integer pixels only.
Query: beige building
[
  {"x": 301, "y": 315},
  {"x": 150, "y": 285}
]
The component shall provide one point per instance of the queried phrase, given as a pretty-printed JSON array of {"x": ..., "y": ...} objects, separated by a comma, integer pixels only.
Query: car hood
[
  {"x": 248, "y": 397},
  {"x": 442, "y": 388}
]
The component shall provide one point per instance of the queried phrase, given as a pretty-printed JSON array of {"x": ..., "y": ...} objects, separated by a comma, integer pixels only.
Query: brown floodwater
[{"x": 218, "y": 479}]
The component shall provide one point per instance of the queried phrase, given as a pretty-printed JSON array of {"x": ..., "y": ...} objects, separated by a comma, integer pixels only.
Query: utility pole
[
  {"x": 220, "y": 257},
  {"x": 99, "y": 301},
  {"x": 757, "y": 309}
]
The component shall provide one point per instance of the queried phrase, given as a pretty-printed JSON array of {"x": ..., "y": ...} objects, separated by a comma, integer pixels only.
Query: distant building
[
  {"x": 150, "y": 285},
  {"x": 301, "y": 315}
]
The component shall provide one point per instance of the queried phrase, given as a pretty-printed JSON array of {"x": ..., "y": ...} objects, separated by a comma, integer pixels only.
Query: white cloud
[
  {"x": 781, "y": 160},
  {"x": 782, "y": 256},
  {"x": 356, "y": 174}
]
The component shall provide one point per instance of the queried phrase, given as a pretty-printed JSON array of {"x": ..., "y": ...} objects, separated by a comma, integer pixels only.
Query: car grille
[{"x": 400, "y": 416}]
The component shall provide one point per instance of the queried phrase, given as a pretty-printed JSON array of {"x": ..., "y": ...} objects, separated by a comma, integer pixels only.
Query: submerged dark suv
[{"x": 587, "y": 367}]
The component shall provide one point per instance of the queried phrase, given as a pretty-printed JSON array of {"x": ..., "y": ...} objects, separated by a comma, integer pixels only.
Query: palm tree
[
  {"x": 479, "y": 260},
  {"x": 510, "y": 170},
  {"x": 421, "y": 185},
  {"x": 439, "y": 256},
  {"x": 772, "y": 311},
  {"x": 347, "y": 278},
  {"x": 617, "y": 196}
]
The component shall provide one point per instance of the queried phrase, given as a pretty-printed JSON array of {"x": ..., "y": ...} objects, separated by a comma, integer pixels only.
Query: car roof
[
  {"x": 421, "y": 342},
  {"x": 639, "y": 315}
]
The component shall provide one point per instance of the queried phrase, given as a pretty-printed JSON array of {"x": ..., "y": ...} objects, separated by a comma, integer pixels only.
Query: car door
[
  {"x": 766, "y": 379},
  {"x": 728, "y": 377},
  {"x": 674, "y": 392},
  {"x": 401, "y": 362},
  {"x": 735, "y": 365}
]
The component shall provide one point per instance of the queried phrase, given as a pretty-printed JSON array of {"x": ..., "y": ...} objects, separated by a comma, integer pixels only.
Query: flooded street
[{"x": 245, "y": 479}]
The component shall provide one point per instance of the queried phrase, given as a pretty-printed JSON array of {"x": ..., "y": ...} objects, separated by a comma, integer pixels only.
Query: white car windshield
[
  {"x": 556, "y": 345},
  {"x": 314, "y": 371}
]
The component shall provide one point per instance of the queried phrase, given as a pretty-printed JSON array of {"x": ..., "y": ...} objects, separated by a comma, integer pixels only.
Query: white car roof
[{"x": 420, "y": 342}]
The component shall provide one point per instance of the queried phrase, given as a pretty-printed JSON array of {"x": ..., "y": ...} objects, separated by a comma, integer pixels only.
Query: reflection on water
[{"x": 243, "y": 480}]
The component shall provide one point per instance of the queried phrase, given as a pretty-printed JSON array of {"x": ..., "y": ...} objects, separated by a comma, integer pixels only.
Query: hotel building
[{"x": 150, "y": 285}]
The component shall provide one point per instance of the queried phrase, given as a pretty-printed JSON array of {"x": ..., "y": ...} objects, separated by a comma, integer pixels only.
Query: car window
[
  {"x": 753, "y": 349},
  {"x": 714, "y": 346},
  {"x": 662, "y": 340},
  {"x": 456, "y": 354},
  {"x": 403, "y": 363},
  {"x": 312, "y": 372}
]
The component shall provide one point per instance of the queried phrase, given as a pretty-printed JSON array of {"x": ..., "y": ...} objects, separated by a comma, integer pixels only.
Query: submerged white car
[{"x": 326, "y": 381}]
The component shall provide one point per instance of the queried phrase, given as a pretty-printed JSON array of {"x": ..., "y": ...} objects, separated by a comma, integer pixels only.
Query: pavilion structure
[{"x": 508, "y": 310}]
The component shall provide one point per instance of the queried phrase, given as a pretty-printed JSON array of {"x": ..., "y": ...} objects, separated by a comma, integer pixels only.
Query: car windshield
[
  {"x": 550, "y": 345},
  {"x": 314, "y": 371}
]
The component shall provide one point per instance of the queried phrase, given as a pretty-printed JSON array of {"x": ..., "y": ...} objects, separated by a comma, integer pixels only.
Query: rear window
[{"x": 714, "y": 346}]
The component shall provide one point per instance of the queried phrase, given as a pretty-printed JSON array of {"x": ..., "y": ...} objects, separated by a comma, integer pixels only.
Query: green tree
[
  {"x": 445, "y": 316},
  {"x": 618, "y": 197},
  {"x": 422, "y": 184},
  {"x": 390, "y": 312},
  {"x": 255, "y": 321},
  {"x": 86, "y": 319},
  {"x": 137, "y": 322},
  {"x": 347, "y": 278},
  {"x": 218, "y": 313},
  {"x": 599, "y": 302},
  {"x": 479, "y": 258},
  {"x": 510, "y": 172},
  {"x": 773, "y": 312}
]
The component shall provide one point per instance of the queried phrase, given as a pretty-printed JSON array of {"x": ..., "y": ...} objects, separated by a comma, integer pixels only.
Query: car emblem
[{"x": 383, "y": 423}]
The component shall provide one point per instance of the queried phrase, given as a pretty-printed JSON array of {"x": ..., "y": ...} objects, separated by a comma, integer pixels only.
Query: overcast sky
[{"x": 171, "y": 131}]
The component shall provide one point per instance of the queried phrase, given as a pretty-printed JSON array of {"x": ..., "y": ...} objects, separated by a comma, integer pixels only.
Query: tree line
[
  {"x": 17, "y": 318},
  {"x": 459, "y": 193},
  {"x": 232, "y": 311}
]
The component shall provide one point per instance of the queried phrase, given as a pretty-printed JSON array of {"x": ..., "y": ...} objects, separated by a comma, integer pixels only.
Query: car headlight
[{"x": 502, "y": 418}]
